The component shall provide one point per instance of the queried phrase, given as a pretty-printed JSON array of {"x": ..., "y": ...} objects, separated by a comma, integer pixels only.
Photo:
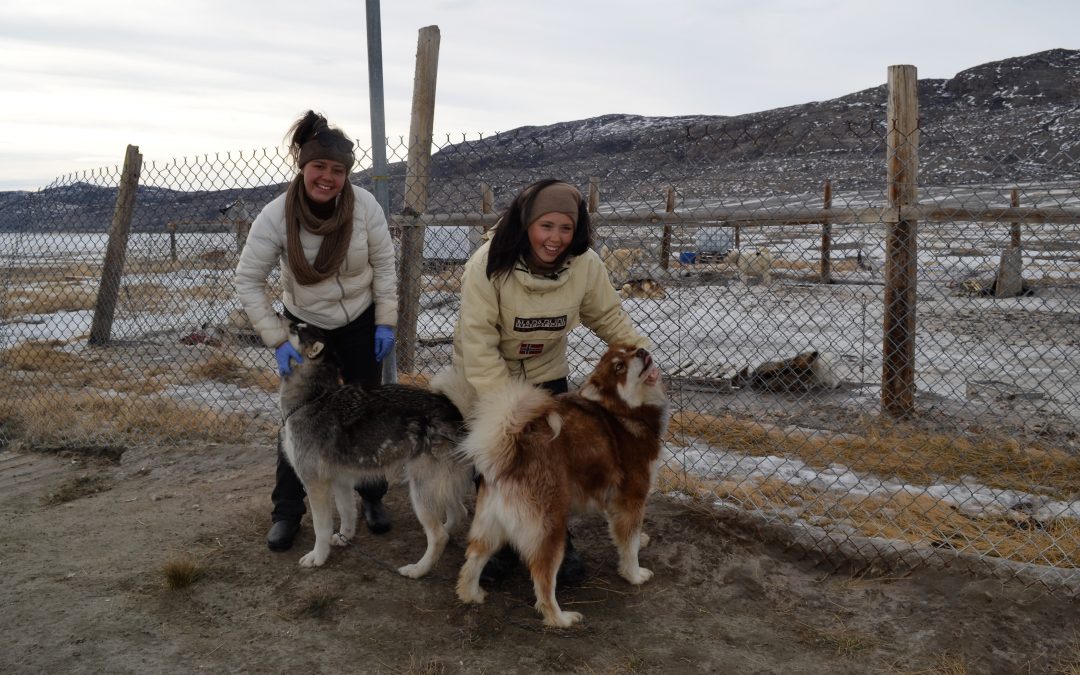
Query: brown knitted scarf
[{"x": 336, "y": 232}]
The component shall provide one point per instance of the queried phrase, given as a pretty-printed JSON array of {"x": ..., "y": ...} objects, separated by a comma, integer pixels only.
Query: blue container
[{"x": 688, "y": 257}]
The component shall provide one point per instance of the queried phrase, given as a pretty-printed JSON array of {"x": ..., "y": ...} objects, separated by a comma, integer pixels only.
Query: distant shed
[{"x": 713, "y": 242}]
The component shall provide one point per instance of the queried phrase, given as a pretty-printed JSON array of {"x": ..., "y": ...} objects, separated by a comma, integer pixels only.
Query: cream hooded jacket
[
  {"x": 367, "y": 274},
  {"x": 514, "y": 326}
]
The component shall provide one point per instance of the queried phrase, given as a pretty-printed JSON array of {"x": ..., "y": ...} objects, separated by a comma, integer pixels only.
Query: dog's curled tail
[
  {"x": 497, "y": 418},
  {"x": 451, "y": 383}
]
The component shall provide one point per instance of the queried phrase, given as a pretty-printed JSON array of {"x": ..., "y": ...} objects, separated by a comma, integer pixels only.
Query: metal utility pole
[
  {"x": 378, "y": 138},
  {"x": 378, "y": 115}
]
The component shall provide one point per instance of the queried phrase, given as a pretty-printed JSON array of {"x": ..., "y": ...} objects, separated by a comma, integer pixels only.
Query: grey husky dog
[{"x": 336, "y": 434}]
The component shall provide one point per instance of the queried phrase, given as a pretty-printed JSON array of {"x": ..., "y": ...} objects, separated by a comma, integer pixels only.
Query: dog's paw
[
  {"x": 562, "y": 619},
  {"x": 636, "y": 576},
  {"x": 413, "y": 571},
  {"x": 313, "y": 559},
  {"x": 472, "y": 597},
  {"x": 643, "y": 540},
  {"x": 340, "y": 540}
]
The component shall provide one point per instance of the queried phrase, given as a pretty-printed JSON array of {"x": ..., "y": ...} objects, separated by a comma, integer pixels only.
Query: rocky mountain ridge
[{"x": 1009, "y": 121}]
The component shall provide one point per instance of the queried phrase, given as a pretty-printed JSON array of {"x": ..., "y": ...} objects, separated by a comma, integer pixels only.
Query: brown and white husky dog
[{"x": 543, "y": 456}]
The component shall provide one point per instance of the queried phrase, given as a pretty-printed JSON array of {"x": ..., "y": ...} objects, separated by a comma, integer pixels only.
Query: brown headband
[
  {"x": 327, "y": 146},
  {"x": 555, "y": 198}
]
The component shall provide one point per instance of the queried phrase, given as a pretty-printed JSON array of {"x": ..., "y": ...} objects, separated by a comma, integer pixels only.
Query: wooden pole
[
  {"x": 901, "y": 247},
  {"x": 826, "y": 238},
  {"x": 487, "y": 205},
  {"x": 665, "y": 244},
  {"x": 594, "y": 193},
  {"x": 417, "y": 177},
  {"x": 1014, "y": 201},
  {"x": 487, "y": 198},
  {"x": 171, "y": 227},
  {"x": 113, "y": 267}
]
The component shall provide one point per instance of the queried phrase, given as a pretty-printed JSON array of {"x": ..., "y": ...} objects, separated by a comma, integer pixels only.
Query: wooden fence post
[
  {"x": 487, "y": 205},
  {"x": 594, "y": 193},
  {"x": 901, "y": 247},
  {"x": 665, "y": 244},
  {"x": 417, "y": 177},
  {"x": 487, "y": 198},
  {"x": 826, "y": 238},
  {"x": 487, "y": 202},
  {"x": 113, "y": 267},
  {"x": 171, "y": 227},
  {"x": 1014, "y": 201}
]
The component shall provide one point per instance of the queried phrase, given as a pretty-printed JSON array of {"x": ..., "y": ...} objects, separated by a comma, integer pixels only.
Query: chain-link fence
[{"x": 766, "y": 263}]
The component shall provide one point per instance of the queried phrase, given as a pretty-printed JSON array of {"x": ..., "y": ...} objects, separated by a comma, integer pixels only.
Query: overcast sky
[{"x": 84, "y": 78}]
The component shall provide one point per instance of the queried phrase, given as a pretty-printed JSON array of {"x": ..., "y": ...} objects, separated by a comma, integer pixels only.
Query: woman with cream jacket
[{"x": 522, "y": 293}]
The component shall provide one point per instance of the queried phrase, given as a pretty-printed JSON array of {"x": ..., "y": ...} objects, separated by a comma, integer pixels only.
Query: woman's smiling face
[
  {"x": 323, "y": 179},
  {"x": 549, "y": 237}
]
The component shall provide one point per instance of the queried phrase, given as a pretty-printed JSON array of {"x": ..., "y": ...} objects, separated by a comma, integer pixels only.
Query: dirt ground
[{"x": 85, "y": 592}]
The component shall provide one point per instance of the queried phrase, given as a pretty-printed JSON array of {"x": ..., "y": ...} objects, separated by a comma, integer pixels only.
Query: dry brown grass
[
  {"x": 317, "y": 603},
  {"x": 916, "y": 458},
  {"x": 1068, "y": 663},
  {"x": 946, "y": 664},
  {"x": 59, "y": 398},
  {"x": 148, "y": 297},
  {"x": 75, "y": 419},
  {"x": 918, "y": 519},
  {"x": 40, "y": 356},
  {"x": 908, "y": 455},
  {"x": 225, "y": 366},
  {"x": 840, "y": 640},
  {"x": 182, "y": 572},
  {"x": 70, "y": 271},
  {"x": 44, "y": 365},
  {"x": 47, "y": 298}
]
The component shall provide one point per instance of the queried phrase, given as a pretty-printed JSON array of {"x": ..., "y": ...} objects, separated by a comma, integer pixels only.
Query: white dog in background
[{"x": 756, "y": 264}]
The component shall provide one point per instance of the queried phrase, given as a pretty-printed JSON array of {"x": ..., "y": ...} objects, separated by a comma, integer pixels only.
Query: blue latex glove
[
  {"x": 285, "y": 353},
  {"x": 384, "y": 341}
]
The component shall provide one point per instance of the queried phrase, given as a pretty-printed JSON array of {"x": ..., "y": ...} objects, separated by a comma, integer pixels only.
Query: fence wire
[{"x": 770, "y": 320}]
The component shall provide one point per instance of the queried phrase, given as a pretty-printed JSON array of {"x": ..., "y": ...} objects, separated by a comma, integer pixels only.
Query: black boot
[
  {"x": 371, "y": 496},
  {"x": 500, "y": 565},
  {"x": 281, "y": 535},
  {"x": 572, "y": 570},
  {"x": 375, "y": 515}
]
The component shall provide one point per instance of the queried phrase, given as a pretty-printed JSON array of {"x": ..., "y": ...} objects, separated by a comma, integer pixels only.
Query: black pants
[
  {"x": 559, "y": 386},
  {"x": 353, "y": 347}
]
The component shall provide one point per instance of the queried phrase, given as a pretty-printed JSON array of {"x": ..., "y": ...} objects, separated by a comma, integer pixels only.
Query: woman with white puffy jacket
[{"x": 332, "y": 243}]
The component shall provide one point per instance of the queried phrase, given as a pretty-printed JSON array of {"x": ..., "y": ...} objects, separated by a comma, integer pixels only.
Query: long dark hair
[{"x": 511, "y": 240}]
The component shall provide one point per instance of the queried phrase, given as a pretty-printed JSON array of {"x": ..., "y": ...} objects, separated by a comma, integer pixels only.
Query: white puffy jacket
[{"x": 368, "y": 273}]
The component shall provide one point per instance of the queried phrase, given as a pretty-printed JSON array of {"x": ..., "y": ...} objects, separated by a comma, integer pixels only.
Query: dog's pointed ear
[{"x": 314, "y": 349}]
